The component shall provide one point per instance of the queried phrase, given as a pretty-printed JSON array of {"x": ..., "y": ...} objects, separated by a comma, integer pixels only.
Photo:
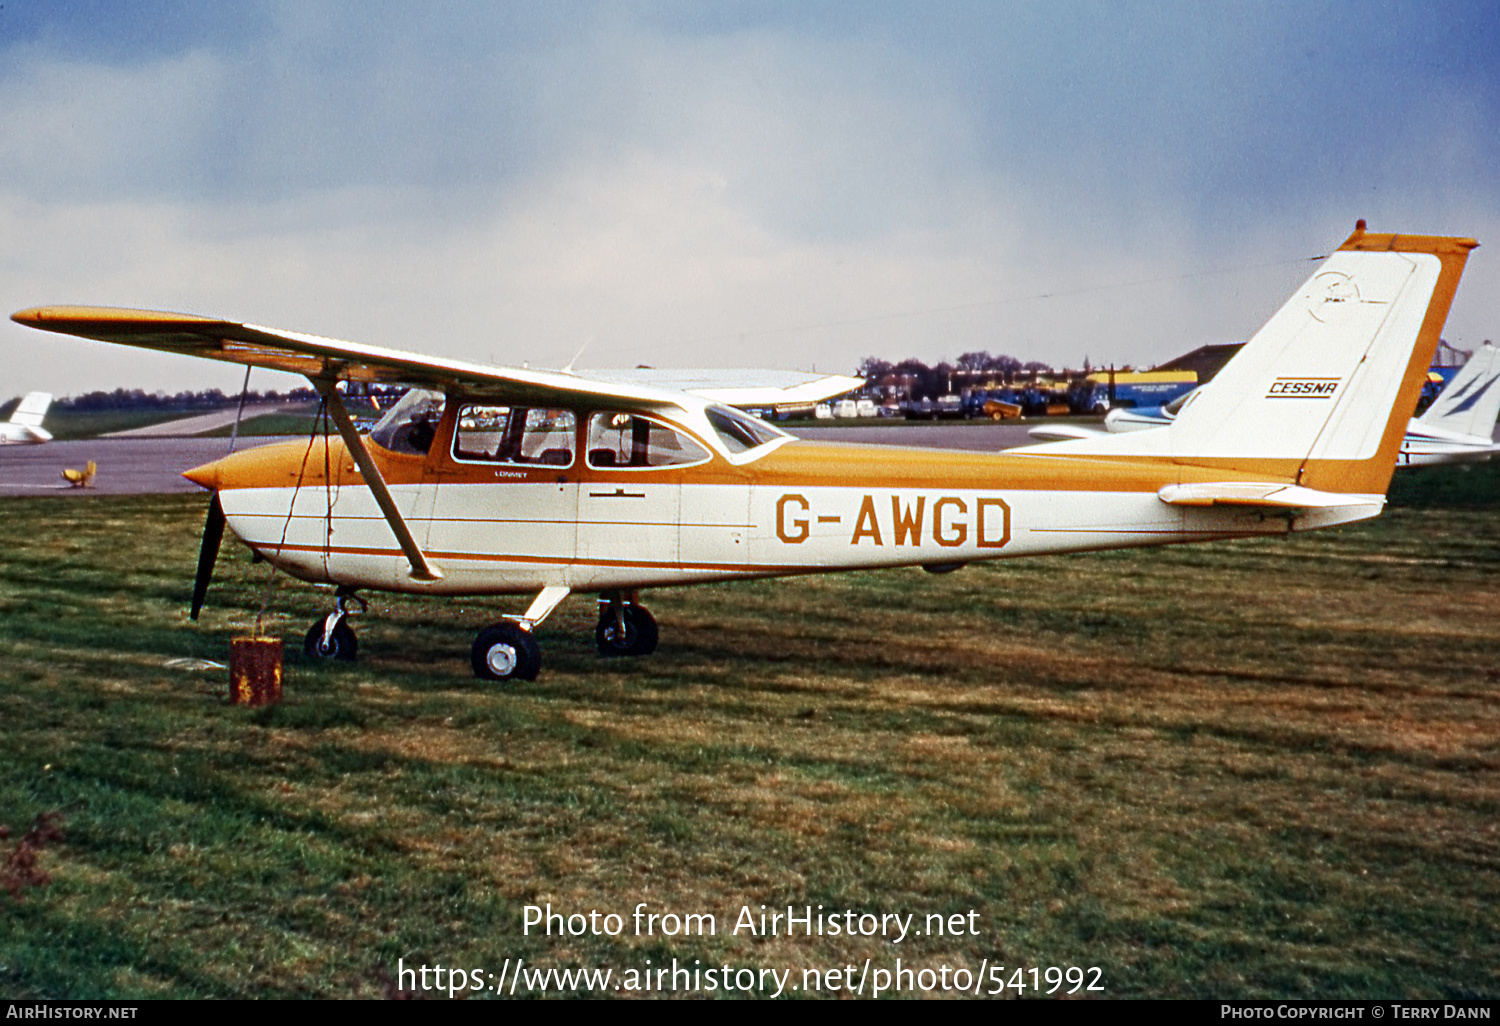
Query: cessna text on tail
[{"x": 486, "y": 480}]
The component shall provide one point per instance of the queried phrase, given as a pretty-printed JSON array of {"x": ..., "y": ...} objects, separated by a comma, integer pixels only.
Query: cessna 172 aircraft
[
  {"x": 486, "y": 480},
  {"x": 25, "y": 424}
]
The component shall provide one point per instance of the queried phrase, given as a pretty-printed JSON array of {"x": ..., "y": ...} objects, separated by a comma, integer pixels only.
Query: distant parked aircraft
[
  {"x": 1459, "y": 426},
  {"x": 25, "y": 425}
]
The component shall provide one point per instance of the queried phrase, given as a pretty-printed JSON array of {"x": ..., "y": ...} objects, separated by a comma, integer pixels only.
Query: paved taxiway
[
  {"x": 185, "y": 427},
  {"x": 981, "y": 435},
  {"x": 140, "y": 466},
  {"x": 127, "y": 466}
]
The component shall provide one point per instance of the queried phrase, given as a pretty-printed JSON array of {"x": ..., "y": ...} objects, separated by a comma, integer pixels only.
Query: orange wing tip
[{"x": 51, "y": 317}]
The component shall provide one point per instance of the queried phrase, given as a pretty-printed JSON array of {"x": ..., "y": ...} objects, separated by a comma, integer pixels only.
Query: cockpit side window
[
  {"x": 412, "y": 423},
  {"x": 515, "y": 434},
  {"x": 626, "y": 440}
]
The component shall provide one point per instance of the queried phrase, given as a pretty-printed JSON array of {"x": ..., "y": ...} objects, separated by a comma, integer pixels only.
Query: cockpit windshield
[
  {"x": 412, "y": 423},
  {"x": 739, "y": 431}
]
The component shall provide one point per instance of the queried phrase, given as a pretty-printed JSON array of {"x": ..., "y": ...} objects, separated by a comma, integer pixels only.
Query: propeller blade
[{"x": 213, "y": 534}]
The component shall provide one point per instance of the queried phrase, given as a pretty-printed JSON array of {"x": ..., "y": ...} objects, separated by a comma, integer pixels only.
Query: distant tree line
[
  {"x": 207, "y": 399},
  {"x": 914, "y": 378}
]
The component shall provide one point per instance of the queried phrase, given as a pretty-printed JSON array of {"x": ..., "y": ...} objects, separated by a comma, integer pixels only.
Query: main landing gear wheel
[
  {"x": 632, "y": 632},
  {"x": 338, "y": 642},
  {"x": 506, "y": 651}
]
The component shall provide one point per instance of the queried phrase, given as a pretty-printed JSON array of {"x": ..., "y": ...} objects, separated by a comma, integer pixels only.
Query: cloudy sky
[{"x": 725, "y": 184}]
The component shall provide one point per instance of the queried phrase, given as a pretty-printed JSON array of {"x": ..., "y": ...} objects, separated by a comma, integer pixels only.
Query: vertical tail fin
[
  {"x": 1471, "y": 401},
  {"x": 1322, "y": 394},
  {"x": 32, "y": 409}
]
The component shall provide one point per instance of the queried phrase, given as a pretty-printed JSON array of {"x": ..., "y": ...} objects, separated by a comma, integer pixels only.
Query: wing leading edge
[{"x": 330, "y": 359}]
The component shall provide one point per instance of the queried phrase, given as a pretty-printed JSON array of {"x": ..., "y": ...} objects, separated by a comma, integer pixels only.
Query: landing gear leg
[
  {"x": 626, "y": 628},
  {"x": 507, "y": 650},
  {"x": 332, "y": 637}
]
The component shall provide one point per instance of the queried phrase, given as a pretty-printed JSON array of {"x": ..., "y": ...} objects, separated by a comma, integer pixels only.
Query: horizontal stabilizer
[
  {"x": 1062, "y": 432},
  {"x": 1270, "y": 495}
]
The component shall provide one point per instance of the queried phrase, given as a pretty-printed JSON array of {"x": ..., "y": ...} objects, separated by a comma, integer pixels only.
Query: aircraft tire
[
  {"x": 342, "y": 644},
  {"x": 646, "y": 632},
  {"x": 506, "y": 651},
  {"x": 640, "y": 638}
]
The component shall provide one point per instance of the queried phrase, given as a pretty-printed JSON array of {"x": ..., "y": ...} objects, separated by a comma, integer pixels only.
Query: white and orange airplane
[{"x": 486, "y": 480}]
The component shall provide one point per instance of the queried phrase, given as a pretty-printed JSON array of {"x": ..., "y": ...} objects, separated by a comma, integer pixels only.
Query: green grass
[
  {"x": 1256, "y": 769},
  {"x": 274, "y": 424},
  {"x": 1466, "y": 486},
  {"x": 66, "y": 424}
]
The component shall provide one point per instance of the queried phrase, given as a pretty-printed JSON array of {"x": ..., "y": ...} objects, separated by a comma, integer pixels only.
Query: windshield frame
[{"x": 696, "y": 420}]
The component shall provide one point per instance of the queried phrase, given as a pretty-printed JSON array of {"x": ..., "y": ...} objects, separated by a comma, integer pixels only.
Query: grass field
[
  {"x": 68, "y": 424},
  {"x": 274, "y": 424},
  {"x": 1266, "y": 768}
]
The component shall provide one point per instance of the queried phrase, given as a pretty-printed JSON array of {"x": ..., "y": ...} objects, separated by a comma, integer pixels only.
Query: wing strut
[{"x": 421, "y": 569}]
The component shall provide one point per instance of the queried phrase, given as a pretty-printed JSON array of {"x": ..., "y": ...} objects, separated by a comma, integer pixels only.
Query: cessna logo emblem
[{"x": 1303, "y": 388}]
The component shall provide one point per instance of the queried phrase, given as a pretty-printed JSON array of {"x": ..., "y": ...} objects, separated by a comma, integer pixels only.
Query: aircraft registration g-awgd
[{"x": 486, "y": 480}]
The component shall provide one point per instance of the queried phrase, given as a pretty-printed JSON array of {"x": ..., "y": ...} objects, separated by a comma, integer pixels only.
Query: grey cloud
[{"x": 698, "y": 183}]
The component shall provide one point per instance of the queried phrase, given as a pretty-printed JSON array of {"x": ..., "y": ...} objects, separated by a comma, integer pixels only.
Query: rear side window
[
  {"x": 515, "y": 434},
  {"x": 626, "y": 440}
]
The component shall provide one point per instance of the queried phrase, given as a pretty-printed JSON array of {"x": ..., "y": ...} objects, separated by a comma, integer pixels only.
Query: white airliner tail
[
  {"x": 1471, "y": 402},
  {"x": 32, "y": 410},
  {"x": 25, "y": 425}
]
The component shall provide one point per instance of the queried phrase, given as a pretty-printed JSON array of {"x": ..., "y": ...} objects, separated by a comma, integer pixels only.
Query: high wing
[
  {"x": 326, "y": 361},
  {"x": 330, "y": 359}
]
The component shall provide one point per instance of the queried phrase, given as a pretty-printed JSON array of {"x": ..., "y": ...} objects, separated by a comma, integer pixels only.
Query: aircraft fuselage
[{"x": 806, "y": 507}]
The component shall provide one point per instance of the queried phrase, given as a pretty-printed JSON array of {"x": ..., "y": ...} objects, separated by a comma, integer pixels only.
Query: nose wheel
[
  {"x": 625, "y": 628},
  {"x": 332, "y": 637},
  {"x": 506, "y": 651}
]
